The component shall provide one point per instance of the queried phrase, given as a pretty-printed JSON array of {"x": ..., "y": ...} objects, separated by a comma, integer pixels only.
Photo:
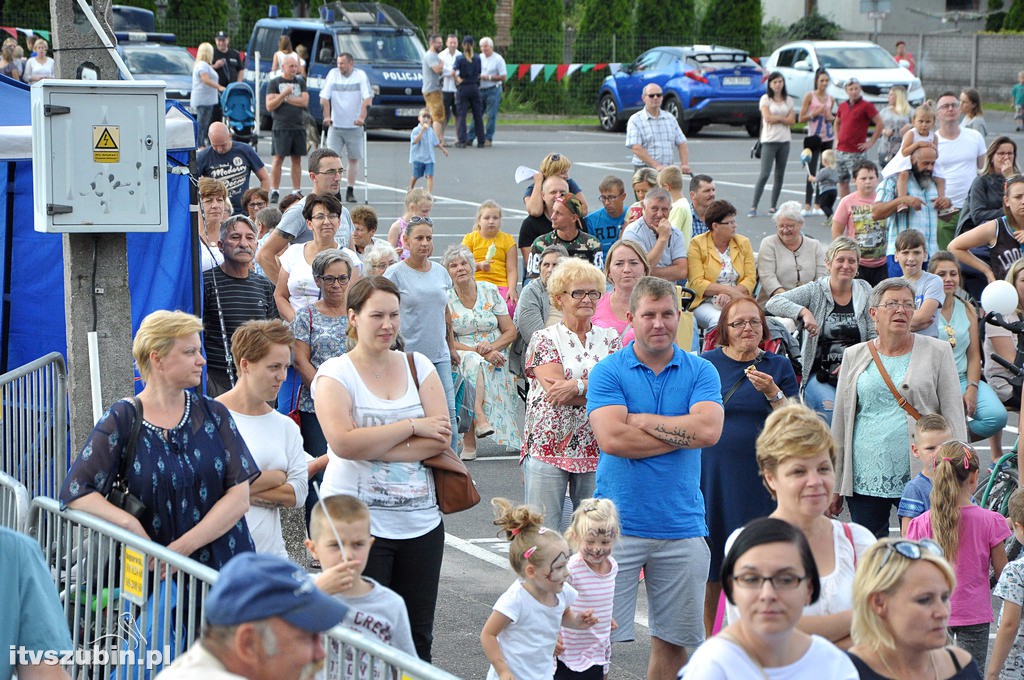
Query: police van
[{"x": 384, "y": 43}]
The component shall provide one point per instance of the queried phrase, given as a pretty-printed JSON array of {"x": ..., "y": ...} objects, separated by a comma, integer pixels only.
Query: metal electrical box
[{"x": 99, "y": 156}]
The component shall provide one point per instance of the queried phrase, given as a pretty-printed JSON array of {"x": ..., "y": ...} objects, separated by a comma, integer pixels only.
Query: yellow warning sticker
[
  {"x": 106, "y": 143},
  {"x": 133, "y": 576}
]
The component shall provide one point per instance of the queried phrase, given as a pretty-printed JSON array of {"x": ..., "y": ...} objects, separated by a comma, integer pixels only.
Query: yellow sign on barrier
[{"x": 133, "y": 576}]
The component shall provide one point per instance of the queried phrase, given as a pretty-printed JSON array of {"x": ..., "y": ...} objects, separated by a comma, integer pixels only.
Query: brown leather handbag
[{"x": 454, "y": 486}]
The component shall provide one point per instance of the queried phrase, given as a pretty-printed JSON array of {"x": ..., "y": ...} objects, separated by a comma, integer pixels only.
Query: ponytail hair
[
  {"x": 954, "y": 463},
  {"x": 524, "y": 528}
]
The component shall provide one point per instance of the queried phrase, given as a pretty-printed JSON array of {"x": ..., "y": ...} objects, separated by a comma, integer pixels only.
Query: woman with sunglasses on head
[
  {"x": 754, "y": 383},
  {"x": 559, "y": 447},
  {"x": 900, "y": 609},
  {"x": 871, "y": 426},
  {"x": 972, "y": 540},
  {"x": 770, "y": 576},
  {"x": 426, "y": 320}
]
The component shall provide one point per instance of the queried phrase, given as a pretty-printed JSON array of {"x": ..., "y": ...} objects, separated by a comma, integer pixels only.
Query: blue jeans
[
  {"x": 989, "y": 415},
  {"x": 444, "y": 372},
  {"x": 545, "y": 488},
  {"x": 492, "y": 98},
  {"x": 820, "y": 397}
]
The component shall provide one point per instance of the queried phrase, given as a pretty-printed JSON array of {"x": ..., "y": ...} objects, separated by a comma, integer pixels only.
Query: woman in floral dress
[
  {"x": 559, "y": 447},
  {"x": 483, "y": 334}
]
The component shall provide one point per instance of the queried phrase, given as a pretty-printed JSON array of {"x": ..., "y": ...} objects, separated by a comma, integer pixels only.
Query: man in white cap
[{"x": 262, "y": 621}]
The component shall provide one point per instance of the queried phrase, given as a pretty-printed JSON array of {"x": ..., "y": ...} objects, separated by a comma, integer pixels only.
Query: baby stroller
[{"x": 239, "y": 105}]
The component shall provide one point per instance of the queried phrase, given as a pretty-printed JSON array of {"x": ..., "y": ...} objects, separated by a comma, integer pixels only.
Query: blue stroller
[{"x": 239, "y": 105}]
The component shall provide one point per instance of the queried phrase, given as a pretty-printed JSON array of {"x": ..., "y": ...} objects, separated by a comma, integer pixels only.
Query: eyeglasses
[
  {"x": 783, "y": 581},
  {"x": 331, "y": 173},
  {"x": 594, "y": 295},
  {"x": 949, "y": 105},
  {"x": 609, "y": 199},
  {"x": 325, "y": 217},
  {"x": 331, "y": 280},
  {"x": 912, "y": 549},
  {"x": 421, "y": 220},
  {"x": 653, "y": 95},
  {"x": 743, "y": 323},
  {"x": 256, "y": 205},
  {"x": 892, "y": 306}
]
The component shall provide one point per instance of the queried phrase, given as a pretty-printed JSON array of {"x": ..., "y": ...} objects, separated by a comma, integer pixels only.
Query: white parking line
[{"x": 440, "y": 199}]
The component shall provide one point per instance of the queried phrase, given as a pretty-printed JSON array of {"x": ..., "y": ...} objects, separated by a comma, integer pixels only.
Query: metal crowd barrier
[
  {"x": 13, "y": 503},
  {"x": 34, "y": 424},
  {"x": 127, "y": 623}
]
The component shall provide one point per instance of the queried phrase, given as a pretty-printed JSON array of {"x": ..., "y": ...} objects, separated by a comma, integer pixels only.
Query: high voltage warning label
[{"x": 106, "y": 143}]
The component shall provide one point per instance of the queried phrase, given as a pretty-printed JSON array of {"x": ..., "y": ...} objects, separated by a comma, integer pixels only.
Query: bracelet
[
  {"x": 413, "y": 426},
  {"x": 973, "y": 383}
]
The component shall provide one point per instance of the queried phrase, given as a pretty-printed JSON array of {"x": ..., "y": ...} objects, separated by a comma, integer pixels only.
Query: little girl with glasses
[
  {"x": 971, "y": 538},
  {"x": 519, "y": 636}
]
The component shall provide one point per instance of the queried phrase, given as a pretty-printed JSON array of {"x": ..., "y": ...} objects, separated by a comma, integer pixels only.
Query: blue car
[{"x": 703, "y": 84}]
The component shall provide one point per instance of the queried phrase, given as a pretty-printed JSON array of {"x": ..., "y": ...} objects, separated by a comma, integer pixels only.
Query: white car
[{"x": 875, "y": 68}]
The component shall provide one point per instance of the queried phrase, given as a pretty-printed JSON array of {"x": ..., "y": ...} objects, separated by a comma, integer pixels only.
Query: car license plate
[
  {"x": 736, "y": 80},
  {"x": 407, "y": 113}
]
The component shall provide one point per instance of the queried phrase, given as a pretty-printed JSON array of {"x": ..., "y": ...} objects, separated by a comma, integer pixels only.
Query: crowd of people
[{"x": 740, "y": 543}]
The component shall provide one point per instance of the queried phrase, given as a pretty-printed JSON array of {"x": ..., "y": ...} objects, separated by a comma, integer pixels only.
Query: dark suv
[
  {"x": 384, "y": 43},
  {"x": 703, "y": 84}
]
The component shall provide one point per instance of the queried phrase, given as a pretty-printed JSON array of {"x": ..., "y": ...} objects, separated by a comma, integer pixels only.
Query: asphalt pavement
[{"x": 476, "y": 570}]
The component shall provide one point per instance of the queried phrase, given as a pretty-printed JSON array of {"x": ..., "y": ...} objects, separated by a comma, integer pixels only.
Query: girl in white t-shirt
[
  {"x": 520, "y": 634},
  {"x": 920, "y": 135},
  {"x": 592, "y": 572}
]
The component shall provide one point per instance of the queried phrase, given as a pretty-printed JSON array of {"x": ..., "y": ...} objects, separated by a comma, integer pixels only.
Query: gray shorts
[
  {"x": 350, "y": 139},
  {"x": 288, "y": 143},
  {"x": 845, "y": 160},
  {"x": 675, "y": 571}
]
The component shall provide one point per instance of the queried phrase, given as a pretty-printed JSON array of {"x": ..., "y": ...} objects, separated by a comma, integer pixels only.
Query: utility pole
[{"x": 96, "y": 293}]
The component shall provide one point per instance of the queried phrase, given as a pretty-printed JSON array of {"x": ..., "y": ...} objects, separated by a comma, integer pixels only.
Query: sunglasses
[
  {"x": 912, "y": 550},
  {"x": 421, "y": 220}
]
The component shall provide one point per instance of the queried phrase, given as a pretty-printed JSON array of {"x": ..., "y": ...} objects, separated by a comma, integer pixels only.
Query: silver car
[{"x": 875, "y": 68}]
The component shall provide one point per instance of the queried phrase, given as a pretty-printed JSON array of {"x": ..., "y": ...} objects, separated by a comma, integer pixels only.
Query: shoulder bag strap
[
  {"x": 128, "y": 457},
  {"x": 849, "y": 537},
  {"x": 412, "y": 369},
  {"x": 743, "y": 378},
  {"x": 900, "y": 399}
]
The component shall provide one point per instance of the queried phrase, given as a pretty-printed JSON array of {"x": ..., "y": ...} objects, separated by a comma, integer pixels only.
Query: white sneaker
[{"x": 805, "y": 212}]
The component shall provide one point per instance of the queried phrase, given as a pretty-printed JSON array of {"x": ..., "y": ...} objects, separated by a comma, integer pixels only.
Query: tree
[
  {"x": 416, "y": 11},
  {"x": 538, "y": 33},
  {"x": 472, "y": 17},
  {"x": 736, "y": 23},
  {"x": 656, "y": 22},
  {"x": 814, "y": 27},
  {"x": 601, "y": 20},
  {"x": 196, "y": 21},
  {"x": 1014, "y": 20}
]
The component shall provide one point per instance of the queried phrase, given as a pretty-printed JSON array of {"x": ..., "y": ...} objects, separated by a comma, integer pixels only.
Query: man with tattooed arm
[{"x": 653, "y": 407}]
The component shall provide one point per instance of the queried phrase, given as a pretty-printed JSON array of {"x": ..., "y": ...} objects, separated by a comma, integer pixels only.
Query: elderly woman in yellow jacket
[{"x": 720, "y": 263}]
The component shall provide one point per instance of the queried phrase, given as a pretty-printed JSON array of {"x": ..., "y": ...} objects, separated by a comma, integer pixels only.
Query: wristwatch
[
  {"x": 779, "y": 396},
  {"x": 580, "y": 387}
]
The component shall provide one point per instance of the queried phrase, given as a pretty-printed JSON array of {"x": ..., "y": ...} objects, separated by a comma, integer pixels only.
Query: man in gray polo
[
  {"x": 664, "y": 244},
  {"x": 652, "y": 133},
  {"x": 432, "y": 70}
]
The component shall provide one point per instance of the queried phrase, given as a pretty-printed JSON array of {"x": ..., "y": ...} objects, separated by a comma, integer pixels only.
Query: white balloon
[{"x": 999, "y": 297}]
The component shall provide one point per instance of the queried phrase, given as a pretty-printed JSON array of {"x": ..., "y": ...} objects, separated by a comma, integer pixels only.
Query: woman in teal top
[{"x": 957, "y": 323}]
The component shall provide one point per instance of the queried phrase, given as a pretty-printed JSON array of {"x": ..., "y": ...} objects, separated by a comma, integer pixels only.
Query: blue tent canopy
[{"x": 160, "y": 268}]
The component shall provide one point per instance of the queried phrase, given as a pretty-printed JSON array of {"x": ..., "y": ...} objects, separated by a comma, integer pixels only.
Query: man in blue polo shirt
[{"x": 653, "y": 407}]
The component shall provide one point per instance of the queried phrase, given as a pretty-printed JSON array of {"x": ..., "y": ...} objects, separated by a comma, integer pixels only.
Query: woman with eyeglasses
[
  {"x": 377, "y": 257},
  {"x": 754, "y": 383},
  {"x": 483, "y": 334},
  {"x": 871, "y": 425},
  {"x": 900, "y": 610},
  {"x": 789, "y": 258},
  {"x": 720, "y": 264},
  {"x": 426, "y": 320},
  {"x": 296, "y": 288},
  {"x": 320, "y": 334},
  {"x": 770, "y": 576},
  {"x": 559, "y": 447},
  {"x": 254, "y": 200},
  {"x": 833, "y": 314},
  {"x": 795, "y": 456}
]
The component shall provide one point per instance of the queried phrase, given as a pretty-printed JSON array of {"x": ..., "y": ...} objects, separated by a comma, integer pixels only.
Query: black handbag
[
  {"x": 755, "y": 151},
  {"x": 119, "y": 495}
]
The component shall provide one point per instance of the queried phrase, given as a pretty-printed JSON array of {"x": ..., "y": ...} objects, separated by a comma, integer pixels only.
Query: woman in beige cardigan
[{"x": 872, "y": 431}]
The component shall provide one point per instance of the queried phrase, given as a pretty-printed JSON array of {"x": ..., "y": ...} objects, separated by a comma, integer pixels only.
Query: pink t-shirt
[
  {"x": 593, "y": 646},
  {"x": 980, "y": 531},
  {"x": 854, "y": 213},
  {"x": 605, "y": 318}
]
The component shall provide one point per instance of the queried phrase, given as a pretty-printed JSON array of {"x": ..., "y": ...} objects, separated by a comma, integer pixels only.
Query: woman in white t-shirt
[
  {"x": 777, "y": 114},
  {"x": 379, "y": 428},
  {"x": 295, "y": 285},
  {"x": 795, "y": 452},
  {"x": 770, "y": 576},
  {"x": 262, "y": 352}
]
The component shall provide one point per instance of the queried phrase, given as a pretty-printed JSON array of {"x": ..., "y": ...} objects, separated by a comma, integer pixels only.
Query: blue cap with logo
[{"x": 254, "y": 586}]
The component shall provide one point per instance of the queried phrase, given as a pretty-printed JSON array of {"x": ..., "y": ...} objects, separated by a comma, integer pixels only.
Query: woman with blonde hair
[
  {"x": 206, "y": 90},
  {"x": 896, "y": 116},
  {"x": 180, "y": 436},
  {"x": 497, "y": 258},
  {"x": 900, "y": 610},
  {"x": 553, "y": 165},
  {"x": 284, "y": 48},
  {"x": 625, "y": 264},
  {"x": 644, "y": 179}
]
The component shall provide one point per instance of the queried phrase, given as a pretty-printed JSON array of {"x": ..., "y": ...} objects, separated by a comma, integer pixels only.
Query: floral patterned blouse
[
  {"x": 561, "y": 435},
  {"x": 179, "y": 473},
  {"x": 327, "y": 338}
]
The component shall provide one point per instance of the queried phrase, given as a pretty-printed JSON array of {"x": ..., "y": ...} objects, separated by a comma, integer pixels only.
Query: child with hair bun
[
  {"x": 971, "y": 538},
  {"x": 586, "y": 654},
  {"x": 520, "y": 634}
]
